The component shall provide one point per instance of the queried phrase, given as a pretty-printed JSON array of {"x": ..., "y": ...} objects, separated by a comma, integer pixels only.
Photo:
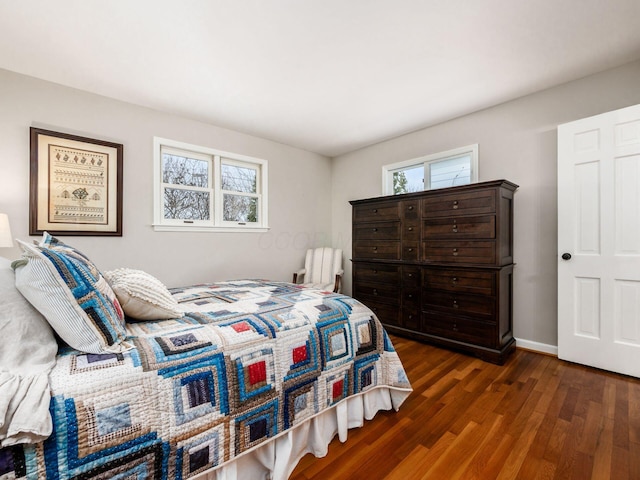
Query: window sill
[{"x": 192, "y": 228}]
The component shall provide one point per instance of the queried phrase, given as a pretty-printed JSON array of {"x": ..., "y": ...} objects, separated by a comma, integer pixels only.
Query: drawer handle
[
  {"x": 410, "y": 316},
  {"x": 455, "y": 327},
  {"x": 375, "y": 210},
  {"x": 410, "y": 250},
  {"x": 375, "y": 291},
  {"x": 410, "y": 207},
  {"x": 375, "y": 229},
  {"x": 375, "y": 249},
  {"x": 455, "y": 304},
  {"x": 375, "y": 272},
  {"x": 455, "y": 229},
  {"x": 409, "y": 275},
  {"x": 454, "y": 280},
  {"x": 455, "y": 252},
  {"x": 410, "y": 296},
  {"x": 411, "y": 229}
]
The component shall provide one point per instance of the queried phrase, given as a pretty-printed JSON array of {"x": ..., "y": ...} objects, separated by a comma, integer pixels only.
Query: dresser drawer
[
  {"x": 376, "y": 211},
  {"x": 460, "y": 227},
  {"x": 411, "y": 232},
  {"x": 376, "y": 273},
  {"x": 410, "y": 211},
  {"x": 387, "y": 294},
  {"x": 461, "y": 329},
  {"x": 377, "y": 231},
  {"x": 411, "y": 318},
  {"x": 459, "y": 304},
  {"x": 383, "y": 249},
  {"x": 387, "y": 314},
  {"x": 464, "y": 281},
  {"x": 410, "y": 276},
  {"x": 469, "y": 203},
  {"x": 411, "y": 298},
  {"x": 474, "y": 252},
  {"x": 410, "y": 251}
]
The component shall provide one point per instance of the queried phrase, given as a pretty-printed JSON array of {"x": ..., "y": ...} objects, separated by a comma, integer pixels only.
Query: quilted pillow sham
[
  {"x": 142, "y": 296},
  {"x": 71, "y": 293}
]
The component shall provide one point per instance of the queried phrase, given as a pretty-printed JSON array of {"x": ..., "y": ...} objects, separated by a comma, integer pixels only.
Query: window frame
[
  {"x": 208, "y": 189},
  {"x": 216, "y": 158},
  {"x": 238, "y": 163},
  {"x": 426, "y": 161}
]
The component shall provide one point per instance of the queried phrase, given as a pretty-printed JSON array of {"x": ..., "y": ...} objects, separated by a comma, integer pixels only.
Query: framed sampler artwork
[{"x": 75, "y": 185}]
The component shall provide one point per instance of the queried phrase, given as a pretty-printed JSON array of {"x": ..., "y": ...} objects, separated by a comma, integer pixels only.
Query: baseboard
[{"x": 537, "y": 347}]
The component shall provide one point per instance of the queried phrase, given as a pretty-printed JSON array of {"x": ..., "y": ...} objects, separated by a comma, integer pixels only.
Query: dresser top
[{"x": 441, "y": 191}]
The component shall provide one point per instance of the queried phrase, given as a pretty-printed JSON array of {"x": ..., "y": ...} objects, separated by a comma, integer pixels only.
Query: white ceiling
[{"x": 329, "y": 76}]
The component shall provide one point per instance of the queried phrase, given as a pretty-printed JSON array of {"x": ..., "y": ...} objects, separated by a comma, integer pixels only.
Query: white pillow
[
  {"x": 142, "y": 296},
  {"x": 27, "y": 355},
  {"x": 68, "y": 289}
]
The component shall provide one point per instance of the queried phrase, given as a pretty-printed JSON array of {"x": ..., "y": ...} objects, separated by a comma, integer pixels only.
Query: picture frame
[{"x": 75, "y": 185}]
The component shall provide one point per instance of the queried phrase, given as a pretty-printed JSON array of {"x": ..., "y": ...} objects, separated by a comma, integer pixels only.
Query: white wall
[
  {"x": 299, "y": 214},
  {"x": 517, "y": 141}
]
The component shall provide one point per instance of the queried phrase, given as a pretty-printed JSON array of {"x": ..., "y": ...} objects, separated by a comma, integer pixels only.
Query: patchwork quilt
[{"x": 249, "y": 360}]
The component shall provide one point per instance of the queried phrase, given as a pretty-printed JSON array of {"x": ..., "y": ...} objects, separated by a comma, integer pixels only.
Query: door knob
[{"x": 566, "y": 256}]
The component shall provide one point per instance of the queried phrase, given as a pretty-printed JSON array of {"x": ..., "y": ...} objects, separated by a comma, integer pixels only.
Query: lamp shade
[{"x": 6, "y": 240}]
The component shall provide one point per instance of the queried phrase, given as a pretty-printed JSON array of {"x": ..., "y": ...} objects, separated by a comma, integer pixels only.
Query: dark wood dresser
[{"x": 437, "y": 266}]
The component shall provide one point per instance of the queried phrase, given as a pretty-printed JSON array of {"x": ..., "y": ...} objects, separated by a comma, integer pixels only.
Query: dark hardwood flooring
[{"x": 536, "y": 417}]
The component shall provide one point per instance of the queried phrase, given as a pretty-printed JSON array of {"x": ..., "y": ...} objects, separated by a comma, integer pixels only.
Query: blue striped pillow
[{"x": 71, "y": 293}]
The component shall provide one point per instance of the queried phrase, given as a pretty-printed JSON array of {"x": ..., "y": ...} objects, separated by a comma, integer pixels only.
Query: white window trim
[
  {"x": 387, "y": 178},
  {"x": 161, "y": 224}
]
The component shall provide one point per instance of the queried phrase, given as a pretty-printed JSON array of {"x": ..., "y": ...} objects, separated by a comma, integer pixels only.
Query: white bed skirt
[{"x": 277, "y": 459}]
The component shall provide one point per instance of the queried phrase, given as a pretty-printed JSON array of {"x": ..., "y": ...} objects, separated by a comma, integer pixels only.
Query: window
[
  {"x": 187, "y": 191},
  {"x": 201, "y": 189},
  {"x": 239, "y": 191},
  {"x": 440, "y": 170}
]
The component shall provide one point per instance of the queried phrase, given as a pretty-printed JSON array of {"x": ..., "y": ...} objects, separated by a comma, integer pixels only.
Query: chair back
[{"x": 322, "y": 264}]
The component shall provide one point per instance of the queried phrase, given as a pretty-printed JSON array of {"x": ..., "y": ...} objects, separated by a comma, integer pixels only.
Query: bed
[{"x": 235, "y": 379}]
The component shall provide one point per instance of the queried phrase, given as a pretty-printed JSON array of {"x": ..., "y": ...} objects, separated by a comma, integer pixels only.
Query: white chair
[{"x": 322, "y": 269}]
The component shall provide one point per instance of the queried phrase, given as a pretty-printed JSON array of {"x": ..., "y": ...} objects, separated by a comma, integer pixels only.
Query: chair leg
[{"x": 336, "y": 286}]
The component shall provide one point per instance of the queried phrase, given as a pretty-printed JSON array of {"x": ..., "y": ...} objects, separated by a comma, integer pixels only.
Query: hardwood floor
[{"x": 536, "y": 417}]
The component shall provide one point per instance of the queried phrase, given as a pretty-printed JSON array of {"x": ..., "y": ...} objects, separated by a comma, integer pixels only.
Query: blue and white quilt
[{"x": 249, "y": 360}]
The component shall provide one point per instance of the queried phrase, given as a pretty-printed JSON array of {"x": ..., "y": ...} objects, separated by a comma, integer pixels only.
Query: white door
[{"x": 599, "y": 241}]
